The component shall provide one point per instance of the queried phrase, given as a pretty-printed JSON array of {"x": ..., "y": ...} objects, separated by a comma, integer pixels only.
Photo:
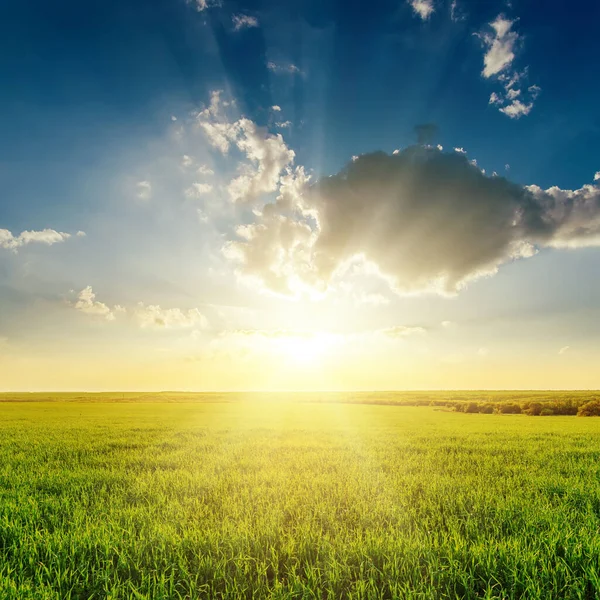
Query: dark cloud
[{"x": 428, "y": 220}]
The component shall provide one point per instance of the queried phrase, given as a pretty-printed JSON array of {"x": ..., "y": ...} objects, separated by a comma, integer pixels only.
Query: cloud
[
  {"x": 564, "y": 349},
  {"x": 276, "y": 108},
  {"x": 87, "y": 303},
  {"x": 400, "y": 331},
  {"x": 501, "y": 43},
  {"x": 45, "y": 236},
  {"x": 517, "y": 109},
  {"x": 267, "y": 153},
  {"x": 205, "y": 170},
  {"x": 500, "y": 46},
  {"x": 597, "y": 176},
  {"x": 288, "y": 68},
  {"x": 460, "y": 150},
  {"x": 283, "y": 124},
  {"x": 196, "y": 190},
  {"x": 244, "y": 22},
  {"x": 144, "y": 190},
  {"x": 422, "y": 8},
  {"x": 145, "y": 315},
  {"x": 427, "y": 221},
  {"x": 186, "y": 161},
  {"x": 152, "y": 315},
  {"x": 202, "y": 4}
]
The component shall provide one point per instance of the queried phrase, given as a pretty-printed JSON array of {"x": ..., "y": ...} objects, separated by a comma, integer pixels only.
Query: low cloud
[
  {"x": 145, "y": 315},
  {"x": 564, "y": 349},
  {"x": 427, "y": 221},
  {"x": 152, "y": 315},
  {"x": 86, "y": 303},
  {"x": 45, "y": 236},
  {"x": 401, "y": 331}
]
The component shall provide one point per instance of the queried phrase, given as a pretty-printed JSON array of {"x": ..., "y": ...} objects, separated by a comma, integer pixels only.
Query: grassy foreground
[{"x": 289, "y": 500}]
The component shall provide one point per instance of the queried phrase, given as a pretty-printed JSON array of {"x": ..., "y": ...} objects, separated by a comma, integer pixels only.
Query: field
[{"x": 282, "y": 499}]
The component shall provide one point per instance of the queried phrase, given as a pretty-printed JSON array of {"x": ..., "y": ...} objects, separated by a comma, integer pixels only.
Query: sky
[{"x": 302, "y": 195}]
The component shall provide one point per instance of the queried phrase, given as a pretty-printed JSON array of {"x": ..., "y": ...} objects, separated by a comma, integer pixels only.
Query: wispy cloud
[
  {"x": 144, "y": 190},
  {"x": 244, "y": 22},
  {"x": 401, "y": 331},
  {"x": 289, "y": 68}
]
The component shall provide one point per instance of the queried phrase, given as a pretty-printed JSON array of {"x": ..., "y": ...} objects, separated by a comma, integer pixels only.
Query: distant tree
[
  {"x": 546, "y": 412},
  {"x": 533, "y": 409},
  {"x": 508, "y": 408},
  {"x": 589, "y": 409}
]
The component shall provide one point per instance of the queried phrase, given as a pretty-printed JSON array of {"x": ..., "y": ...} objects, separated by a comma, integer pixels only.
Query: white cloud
[
  {"x": 244, "y": 22},
  {"x": 87, "y": 303},
  {"x": 186, "y": 161},
  {"x": 501, "y": 45},
  {"x": 460, "y": 150},
  {"x": 422, "y": 8},
  {"x": 396, "y": 151},
  {"x": 198, "y": 189},
  {"x": 152, "y": 315},
  {"x": 564, "y": 349},
  {"x": 517, "y": 109},
  {"x": 144, "y": 190},
  {"x": 81, "y": 234},
  {"x": 276, "y": 108},
  {"x": 289, "y": 68},
  {"x": 267, "y": 153},
  {"x": 597, "y": 176},
  {"x": 45, "y": 236},
  {"x": 284, "y": 124}
]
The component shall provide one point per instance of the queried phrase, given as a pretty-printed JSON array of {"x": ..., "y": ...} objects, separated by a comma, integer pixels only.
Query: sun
[{"x": 307, "y": 349}]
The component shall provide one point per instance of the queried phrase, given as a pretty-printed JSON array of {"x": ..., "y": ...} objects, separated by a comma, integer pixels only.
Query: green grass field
[{"x": 295, "y": 500}]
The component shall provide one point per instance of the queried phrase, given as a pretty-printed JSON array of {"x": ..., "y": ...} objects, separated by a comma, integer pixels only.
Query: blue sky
[{"x": 110, "y": 157}]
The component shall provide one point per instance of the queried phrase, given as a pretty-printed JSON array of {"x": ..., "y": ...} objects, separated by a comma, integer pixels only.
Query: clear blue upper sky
[{"x": 106, "y": 129}]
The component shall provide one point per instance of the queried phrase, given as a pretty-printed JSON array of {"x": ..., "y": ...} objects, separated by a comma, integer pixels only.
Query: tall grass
[{"x": 287, "y": 500}]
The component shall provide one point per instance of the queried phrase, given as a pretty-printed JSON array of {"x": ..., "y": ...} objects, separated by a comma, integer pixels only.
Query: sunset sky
[{"x": 303, "y": 195}]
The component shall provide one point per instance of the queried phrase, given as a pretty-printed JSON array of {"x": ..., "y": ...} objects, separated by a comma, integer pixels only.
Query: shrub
[
  {"x": 589, "y": 409},
  {"x": 546, "y": 412},
  {"x": 509, "y": 408}
]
